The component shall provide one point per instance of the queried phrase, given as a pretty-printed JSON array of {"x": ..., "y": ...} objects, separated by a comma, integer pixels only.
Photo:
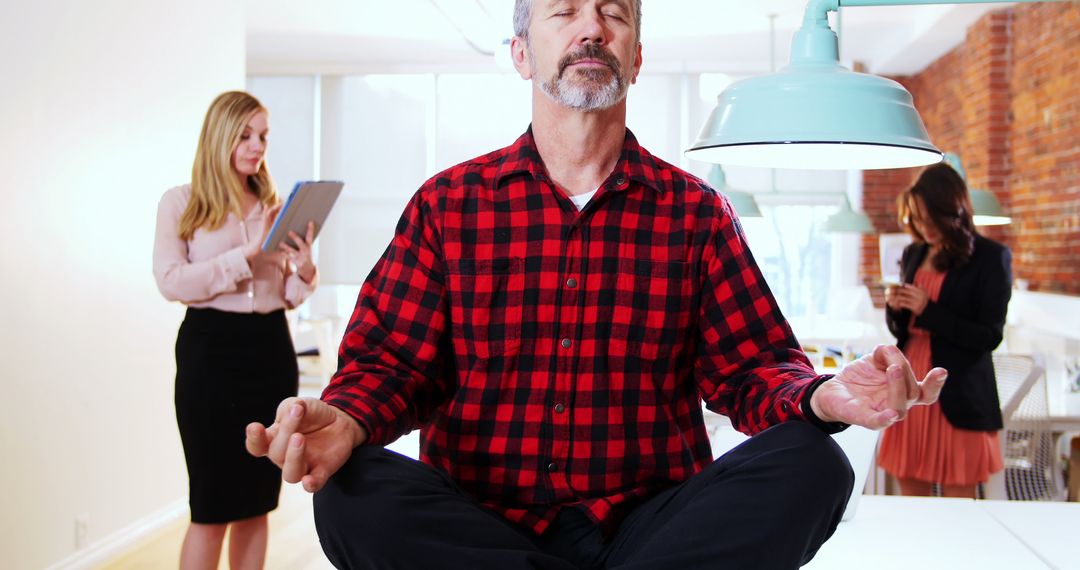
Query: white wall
[{"x": 100, "y": 108}]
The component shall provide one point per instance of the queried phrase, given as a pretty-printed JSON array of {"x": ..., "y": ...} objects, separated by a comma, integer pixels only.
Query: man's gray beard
[{"x": 585, "y": 94}]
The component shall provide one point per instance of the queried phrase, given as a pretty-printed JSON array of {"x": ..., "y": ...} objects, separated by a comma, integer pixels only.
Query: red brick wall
[
  {"x": 1044, "y": 185},
  {"x": 1007, "y": 101}
]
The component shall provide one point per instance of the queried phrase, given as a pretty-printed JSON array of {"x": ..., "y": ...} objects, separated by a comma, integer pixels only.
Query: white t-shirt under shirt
[{"x": 581, "y": 199}]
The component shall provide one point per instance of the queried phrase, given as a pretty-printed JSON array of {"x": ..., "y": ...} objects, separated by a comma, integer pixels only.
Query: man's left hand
[{"x": 876, "y": 390}]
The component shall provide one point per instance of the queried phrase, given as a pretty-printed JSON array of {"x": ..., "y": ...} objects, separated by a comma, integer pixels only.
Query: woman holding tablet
[{"x": 234, "y": 355}]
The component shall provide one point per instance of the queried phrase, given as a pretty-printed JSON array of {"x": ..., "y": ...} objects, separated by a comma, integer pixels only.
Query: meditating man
[{"x": 550, "y": 316}]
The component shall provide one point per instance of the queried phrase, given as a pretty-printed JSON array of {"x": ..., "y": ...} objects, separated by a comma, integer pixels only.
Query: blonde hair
[{"x": 215, "y": 188}]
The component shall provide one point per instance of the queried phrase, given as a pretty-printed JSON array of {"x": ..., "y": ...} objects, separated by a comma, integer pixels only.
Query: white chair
[
  {"x": 1016, "y": 375},
  {"x": 1027, "y": 442}
]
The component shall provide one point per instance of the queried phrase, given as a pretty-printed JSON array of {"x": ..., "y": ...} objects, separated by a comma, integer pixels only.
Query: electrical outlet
[{"x": 82, "y": 530}]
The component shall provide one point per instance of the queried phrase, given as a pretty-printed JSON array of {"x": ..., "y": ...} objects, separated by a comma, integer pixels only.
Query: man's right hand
[{"x": 309, "y": 440}]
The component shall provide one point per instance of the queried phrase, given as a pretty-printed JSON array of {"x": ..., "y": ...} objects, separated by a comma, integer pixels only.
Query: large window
[
  {"x": 794, "y": 254},
  {"x": 385, "y": 134}
]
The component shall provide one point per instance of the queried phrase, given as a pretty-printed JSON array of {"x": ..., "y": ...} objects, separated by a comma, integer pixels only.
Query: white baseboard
[{"x": 125, "y": 539}]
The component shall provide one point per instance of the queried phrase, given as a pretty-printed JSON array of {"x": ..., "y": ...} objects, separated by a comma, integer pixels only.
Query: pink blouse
[{"x": 210, "y": 271}]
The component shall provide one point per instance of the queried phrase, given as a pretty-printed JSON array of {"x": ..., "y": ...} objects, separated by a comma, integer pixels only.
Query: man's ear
[
  {"x": 637, "y": 64},
  {"x": 519, "y": 54}
]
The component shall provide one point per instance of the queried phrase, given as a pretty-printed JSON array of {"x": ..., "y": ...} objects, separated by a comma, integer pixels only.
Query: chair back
[
  {"x": 1015, "y": 375},
  {"x": 1027, "y": 444}
]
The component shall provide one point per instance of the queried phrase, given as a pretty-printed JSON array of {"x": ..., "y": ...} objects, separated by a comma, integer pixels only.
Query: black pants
[{"x": 769, "y": 503}]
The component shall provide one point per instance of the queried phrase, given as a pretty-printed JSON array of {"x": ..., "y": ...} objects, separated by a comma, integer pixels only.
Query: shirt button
[
  {"x": 251, "y": 293},
  {"x": 552, "y": 467},
  {"x": 571, "y": 283},
  {"x": 566, "y": 343},
  {"x": 619, "y": 180},
  {"x": 559, "y": 408}
]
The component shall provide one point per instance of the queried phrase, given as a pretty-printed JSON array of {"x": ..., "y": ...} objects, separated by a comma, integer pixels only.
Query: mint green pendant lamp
[
  {"x": 847, "y": 220},
  {"x": 986, "y": 210},
  {"x": 744, "y": 203},
  {"x": 817, "y": 114}
]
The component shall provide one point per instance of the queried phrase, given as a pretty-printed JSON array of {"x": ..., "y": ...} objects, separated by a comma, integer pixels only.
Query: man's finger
[
  {"x": 315, "y": 480},
  {"x": 283, "y": 408},
  {"x": 930, "y": 387},
  {"x": 897, "y": 398},
  {"x": 886, "y": 355},
  {"x": 257, "y": 443},
  {"x": 286, "y": 428},
  {"x": 882, "y": 419},
  {"x": 295, "y": 466},
  {"x": 892, "y": 356}
]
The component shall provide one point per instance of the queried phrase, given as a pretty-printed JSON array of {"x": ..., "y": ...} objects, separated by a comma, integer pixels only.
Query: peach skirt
[{"x": 925, "y": 446}]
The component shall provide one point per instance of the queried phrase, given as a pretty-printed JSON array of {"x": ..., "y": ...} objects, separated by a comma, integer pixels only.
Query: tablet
[{"x": 308, "y": 202}]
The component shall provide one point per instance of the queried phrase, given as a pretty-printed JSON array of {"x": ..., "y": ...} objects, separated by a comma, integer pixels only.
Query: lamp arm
[
  {"x": 818, "y": 10},
  {"x": 846, "y": 3},
  {"x": 816, "y": 44}
]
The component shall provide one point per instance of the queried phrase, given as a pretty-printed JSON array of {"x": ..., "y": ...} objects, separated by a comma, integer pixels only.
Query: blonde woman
[{"x": 234, "y": 357}]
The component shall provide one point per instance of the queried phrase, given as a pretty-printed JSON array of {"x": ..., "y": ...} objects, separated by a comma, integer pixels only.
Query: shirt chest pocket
[
  {"x": 486, "y": 297},
  {"x": 653, "y": 309}
]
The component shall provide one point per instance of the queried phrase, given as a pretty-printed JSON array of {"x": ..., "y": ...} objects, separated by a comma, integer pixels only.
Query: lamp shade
[
  {"x": 986, "y": 209},
  {"x": 848, "y": 220},
  {"x": 743, "y": 202},
  {"x": 815, "y": 114}
]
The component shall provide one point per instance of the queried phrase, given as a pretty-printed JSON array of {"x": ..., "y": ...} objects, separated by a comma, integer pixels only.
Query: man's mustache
[{"x": 590, "y": 51}]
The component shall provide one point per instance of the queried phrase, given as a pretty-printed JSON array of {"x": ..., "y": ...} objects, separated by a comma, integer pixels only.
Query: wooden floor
[{"x": 293, "y": 542}]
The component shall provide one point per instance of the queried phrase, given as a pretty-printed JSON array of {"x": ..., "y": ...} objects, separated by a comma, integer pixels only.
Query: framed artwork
[{"x": 891, "y": 248}]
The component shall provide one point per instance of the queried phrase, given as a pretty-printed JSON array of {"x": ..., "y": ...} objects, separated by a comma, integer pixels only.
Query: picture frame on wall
[{"x": 891, "y": 249}]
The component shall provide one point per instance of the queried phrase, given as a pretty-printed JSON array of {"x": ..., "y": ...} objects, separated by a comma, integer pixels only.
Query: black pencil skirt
[{"x": 231, "y": 369}]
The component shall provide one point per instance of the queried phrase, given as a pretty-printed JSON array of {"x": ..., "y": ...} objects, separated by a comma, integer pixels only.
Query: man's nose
[{"x": 592, "y": 27}]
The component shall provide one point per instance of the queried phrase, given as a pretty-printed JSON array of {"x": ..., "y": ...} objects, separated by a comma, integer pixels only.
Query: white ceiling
[{"x": 727, "y": 36}]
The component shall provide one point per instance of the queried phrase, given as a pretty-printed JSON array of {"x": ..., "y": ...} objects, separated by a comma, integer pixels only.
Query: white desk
[
  {"x": 1065, "y": 412},
  {"x": 903, "y": 533},
  {"x": 840, "y": 333},
  {"x": 1048, "y": 529}
]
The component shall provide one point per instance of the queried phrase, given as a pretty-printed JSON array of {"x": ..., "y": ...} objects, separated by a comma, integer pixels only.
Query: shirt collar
[{"x": 635, "y": 163}]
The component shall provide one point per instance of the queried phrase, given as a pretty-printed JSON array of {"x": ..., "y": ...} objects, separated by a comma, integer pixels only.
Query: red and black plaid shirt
[{"x": 552, "y": 357}]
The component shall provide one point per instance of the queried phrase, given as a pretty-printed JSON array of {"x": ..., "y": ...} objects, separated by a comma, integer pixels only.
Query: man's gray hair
[{"x": 523, "y": 15}]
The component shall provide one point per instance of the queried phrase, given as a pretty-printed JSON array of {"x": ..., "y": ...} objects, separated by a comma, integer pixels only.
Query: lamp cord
[{"x": 453, "y": 22}]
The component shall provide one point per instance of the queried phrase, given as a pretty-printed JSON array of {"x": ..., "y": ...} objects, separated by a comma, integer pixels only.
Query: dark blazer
[{"x": 965, "y": 326}]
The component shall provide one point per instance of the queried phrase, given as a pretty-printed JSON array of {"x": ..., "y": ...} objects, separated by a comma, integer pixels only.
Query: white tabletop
[
  {"x": 1065, "y": 412},
  {"x": 906, "y": 533},
  {"x": 1048, "y": 528}
]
